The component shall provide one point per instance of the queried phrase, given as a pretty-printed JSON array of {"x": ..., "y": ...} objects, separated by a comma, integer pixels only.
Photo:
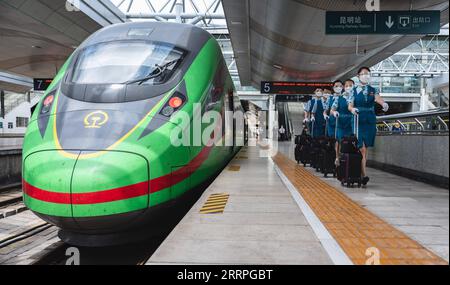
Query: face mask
[
  {"x": 349, "y": 89},
  {"x": 365, "y": 79},
  {"x": 338, "y": 90}
]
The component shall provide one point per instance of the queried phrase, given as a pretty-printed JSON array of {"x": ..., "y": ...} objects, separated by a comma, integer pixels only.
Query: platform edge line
[{"x": 333, "y": 249}]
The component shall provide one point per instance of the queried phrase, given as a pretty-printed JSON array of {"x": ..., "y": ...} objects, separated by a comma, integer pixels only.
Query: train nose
[
  {"x": 109, "y": 191},
  {"x": 103, "y": 192}
]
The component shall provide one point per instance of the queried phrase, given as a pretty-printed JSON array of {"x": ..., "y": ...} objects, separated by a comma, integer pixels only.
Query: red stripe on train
[{"x": 122, "y": 193}]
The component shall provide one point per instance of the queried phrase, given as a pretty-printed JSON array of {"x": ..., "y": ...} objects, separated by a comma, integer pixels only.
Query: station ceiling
[
  {"x": 37, "y": 36},
  {"x": 285, "y": 39}
]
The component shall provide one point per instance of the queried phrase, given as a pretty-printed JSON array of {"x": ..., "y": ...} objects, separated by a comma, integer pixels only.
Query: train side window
[{"x": 216, "y": 92}]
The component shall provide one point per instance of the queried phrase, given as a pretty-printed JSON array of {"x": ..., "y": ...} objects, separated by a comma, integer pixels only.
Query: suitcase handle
[
  {"x": 356, "y": 126},
  {"x": 336, "y": 127}
]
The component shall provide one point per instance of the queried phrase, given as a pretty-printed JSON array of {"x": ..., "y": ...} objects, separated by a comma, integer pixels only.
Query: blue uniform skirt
[
  {"x": 331, "y": 127},
  {"x": 367, "y": 134},
  {"x": 345, "y": 127}
]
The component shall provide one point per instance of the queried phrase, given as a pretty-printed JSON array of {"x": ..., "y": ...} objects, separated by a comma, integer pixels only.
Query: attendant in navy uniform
[
  {"x": 307, "y": 120},
  {"x": 317, "y": 108},
  {"x": 342, "y": 115},
  {"x": 362, "y": 103},
  {"x": 338, "y": 87}
]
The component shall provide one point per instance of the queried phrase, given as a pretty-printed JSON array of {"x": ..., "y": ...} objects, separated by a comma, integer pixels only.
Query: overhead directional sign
[
  {"x": 384, "y": 22},
  {"x": 293, "y": 88}
]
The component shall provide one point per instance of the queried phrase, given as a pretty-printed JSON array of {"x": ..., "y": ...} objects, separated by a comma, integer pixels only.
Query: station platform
[
  {"x": 269, "y": 210},
  {"x": 261, "y": 223}
]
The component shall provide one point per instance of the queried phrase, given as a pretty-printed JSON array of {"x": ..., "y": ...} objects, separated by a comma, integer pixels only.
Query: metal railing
[
  {"x": 11, "y": 136},
  {"x": 17, "y": 99},
  {"x": 433, "y": 122}
]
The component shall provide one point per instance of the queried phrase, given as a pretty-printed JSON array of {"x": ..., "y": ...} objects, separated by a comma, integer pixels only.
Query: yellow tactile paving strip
[
  {"x": 355, "y": 228},
  {"x": 215, "y": 204},
  {"x": 234, "y": 168}
]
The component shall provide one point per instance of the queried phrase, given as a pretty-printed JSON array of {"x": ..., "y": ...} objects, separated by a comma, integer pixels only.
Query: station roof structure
[{"x": 286, "y": 40}]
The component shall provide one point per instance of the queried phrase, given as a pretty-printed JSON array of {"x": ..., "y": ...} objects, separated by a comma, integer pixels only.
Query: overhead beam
[
  {"x": 102, "y": 11},
  {"x": 184, "y": 16},
  {"x": 16, "y": 79}
]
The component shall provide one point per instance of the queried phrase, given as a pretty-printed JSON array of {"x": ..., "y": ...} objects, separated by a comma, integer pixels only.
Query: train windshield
[{"x": 122, "y": 62}]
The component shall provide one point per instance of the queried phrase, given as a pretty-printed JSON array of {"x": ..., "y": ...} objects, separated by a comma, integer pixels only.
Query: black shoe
[{"x": 365, "y": 180}]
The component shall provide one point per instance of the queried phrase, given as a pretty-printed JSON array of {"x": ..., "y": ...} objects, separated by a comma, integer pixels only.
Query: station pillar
[
  {"x": 424, "y": 96},
  {"x": 2, "y": 104}
]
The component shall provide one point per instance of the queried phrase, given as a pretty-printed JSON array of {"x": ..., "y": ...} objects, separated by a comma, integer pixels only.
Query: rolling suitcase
[
  {"x": 329, "y": 157},
  {"x": 305, "y": 155},
  {"x": 314, "y": 152},
  {"x": 298, "y": 153},
  {"x": 320, "y": 153},
  {"x": 349, "y": 170}
]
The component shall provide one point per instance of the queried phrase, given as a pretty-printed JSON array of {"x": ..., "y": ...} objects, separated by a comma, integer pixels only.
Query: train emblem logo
[{"x": 95, "y": 120}]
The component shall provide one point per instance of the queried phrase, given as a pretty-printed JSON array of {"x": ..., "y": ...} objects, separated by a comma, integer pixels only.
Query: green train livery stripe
[{"x": 121, "y": 193}]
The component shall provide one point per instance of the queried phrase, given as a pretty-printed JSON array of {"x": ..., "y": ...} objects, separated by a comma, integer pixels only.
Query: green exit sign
[{"x": 385, "y": 22}]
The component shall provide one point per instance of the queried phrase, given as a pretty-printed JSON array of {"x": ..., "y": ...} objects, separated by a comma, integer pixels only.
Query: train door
[{"x": 232, "y": 121}]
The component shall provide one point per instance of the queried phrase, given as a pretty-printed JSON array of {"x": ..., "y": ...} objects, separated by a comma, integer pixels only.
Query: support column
[
  {"x": 424, "y": 97},
  {"x": 179, "y": 7},
  {"x": 271, "y": 118},
  {"x": 2, "y": 104}
]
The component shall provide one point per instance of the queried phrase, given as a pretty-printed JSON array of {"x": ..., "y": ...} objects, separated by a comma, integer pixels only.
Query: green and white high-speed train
[{"x": 97, "y": 157}]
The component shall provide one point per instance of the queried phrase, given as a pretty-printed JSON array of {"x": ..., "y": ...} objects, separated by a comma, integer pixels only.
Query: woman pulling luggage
[
  {"x": 362, "y": 104},
  {"x": 307, "y": 115},
  {"x": 343, "y": 117},
  {"x": 317, "y": 122},
  {"x": 338, "y": 87}
]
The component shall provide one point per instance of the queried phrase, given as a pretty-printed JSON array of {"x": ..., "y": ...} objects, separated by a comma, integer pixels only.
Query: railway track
[
  {"x": 11, "y": 201},
  {"x": 134, "y": 254},
  {"x": 10, "y": 195},
  {"x": 43, "y": 247},
  {"x": 25, "y": 234},
  {"x": 56, "y": 253}
]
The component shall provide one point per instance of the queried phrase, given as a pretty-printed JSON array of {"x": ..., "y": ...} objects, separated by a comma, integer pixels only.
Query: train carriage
[{"x": 98, "y": 159}]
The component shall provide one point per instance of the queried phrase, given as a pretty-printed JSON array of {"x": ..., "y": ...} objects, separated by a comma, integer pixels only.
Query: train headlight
[
  {"x": 175, "y": 103},
  {"x": 47, "y": 104}
]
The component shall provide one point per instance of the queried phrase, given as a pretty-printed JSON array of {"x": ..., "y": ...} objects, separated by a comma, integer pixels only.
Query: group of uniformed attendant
[{"x": 334, "y": 115}]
